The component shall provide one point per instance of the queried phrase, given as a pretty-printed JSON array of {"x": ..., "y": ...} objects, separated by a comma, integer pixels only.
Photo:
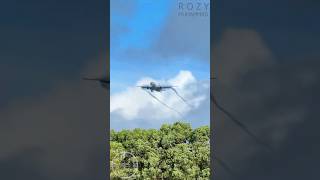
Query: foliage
[{"x": 174, "y": 152}]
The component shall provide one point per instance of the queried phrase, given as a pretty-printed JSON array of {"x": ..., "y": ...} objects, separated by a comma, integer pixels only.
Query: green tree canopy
[{"x": 174, "y": 152}]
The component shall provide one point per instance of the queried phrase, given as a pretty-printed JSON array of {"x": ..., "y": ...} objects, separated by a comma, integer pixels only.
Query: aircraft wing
[
  {"x": 91, "y": 79},
  {"x": 166, "y": 87},
  {"x": 145, "y": 87},
  {"x": 103, "y": 80}
]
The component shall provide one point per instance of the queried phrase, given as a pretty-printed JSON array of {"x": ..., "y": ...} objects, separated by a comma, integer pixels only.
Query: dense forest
[{"x": 173, "y": 152}]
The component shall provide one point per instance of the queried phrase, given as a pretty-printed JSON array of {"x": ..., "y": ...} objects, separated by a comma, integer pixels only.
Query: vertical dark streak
[
  {"x": 108, "y": 93},
  {"x": 212, "y": 173}
]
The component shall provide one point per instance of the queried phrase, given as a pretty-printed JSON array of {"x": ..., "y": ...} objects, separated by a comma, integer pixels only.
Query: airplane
[
  {"x": 154, "y": 87},
  {"x": 104, "y": 82}
]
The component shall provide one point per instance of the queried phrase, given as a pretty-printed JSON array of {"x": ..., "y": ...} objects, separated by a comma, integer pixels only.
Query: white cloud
[{"x": 135, "y": 103}]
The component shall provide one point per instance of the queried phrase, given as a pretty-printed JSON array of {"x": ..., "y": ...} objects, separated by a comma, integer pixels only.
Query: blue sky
[
  {"x": 137, "y": 31},
  {"x": 143, "y": 28},
  {"x": 144, "y": 25}
]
